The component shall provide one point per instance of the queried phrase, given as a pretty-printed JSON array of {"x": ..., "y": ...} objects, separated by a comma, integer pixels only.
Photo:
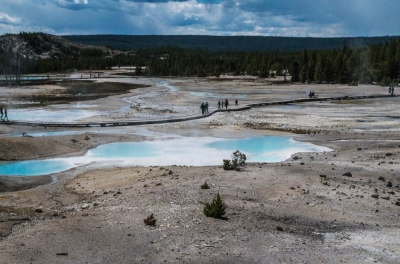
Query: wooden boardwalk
[{"x": 188, "y": 118}]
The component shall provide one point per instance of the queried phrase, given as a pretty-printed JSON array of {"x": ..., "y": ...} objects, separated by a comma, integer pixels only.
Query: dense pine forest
[
  {"x": 224, "y": 43},
  {"x": 349, "y": 63}
]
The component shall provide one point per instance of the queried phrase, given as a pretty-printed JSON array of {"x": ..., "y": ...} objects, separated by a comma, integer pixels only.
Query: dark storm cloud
[
  {"x": 348, "y": 12},
  {"x": 219, "y": 17}
]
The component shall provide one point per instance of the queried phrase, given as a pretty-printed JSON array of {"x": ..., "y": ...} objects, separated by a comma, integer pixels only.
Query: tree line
[
  {"x": 376, "y": 63},
  {"x": 224, "y": 43}
]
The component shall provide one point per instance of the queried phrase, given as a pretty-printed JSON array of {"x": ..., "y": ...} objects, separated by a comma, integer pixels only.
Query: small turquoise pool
[
  {"x": 35, "y": 167},
  {"x": 190, "y": 151}
]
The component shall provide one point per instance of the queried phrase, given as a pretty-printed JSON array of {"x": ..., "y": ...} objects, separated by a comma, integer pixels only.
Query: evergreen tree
[
  {"x": 303, "y": 58},
  {"x": 138, "y": 70},
  {"x": 295, "y": 71},
  {"x": 319, "y": 68},
  {"x": 311, "y": 66},
  {"x": 344, "y": 74},
  {"x": 390, "y": 58},
  {"x": 303, "y": 74},
  {"x": 328, "y": 72}
]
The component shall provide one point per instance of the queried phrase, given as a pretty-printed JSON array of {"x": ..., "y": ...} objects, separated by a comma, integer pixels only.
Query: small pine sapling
[
  {"x": 216, "y": 208},
  {"x": 150, "y": 220},
  {"x": 205, "y": 186},
  {"x": 227, "y": 164}
]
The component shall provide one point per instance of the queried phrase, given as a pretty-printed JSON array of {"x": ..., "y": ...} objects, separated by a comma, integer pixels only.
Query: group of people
[
  {"x": 225, "y": 103},
  {"x": 204, "y": 108},
  {"x": 3, "y": 117},
  {"x": 221, "y": 104},
  {"x": 311, "y": 94},
  {"x": 391, "y": 90}
]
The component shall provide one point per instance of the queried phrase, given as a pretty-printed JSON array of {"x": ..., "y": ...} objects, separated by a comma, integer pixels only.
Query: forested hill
[
  {"x": 225, "y": 43},
  {"x": 42, "y": 53}
]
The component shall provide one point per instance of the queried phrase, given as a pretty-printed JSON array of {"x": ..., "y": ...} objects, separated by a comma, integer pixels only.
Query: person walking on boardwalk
[
  {"x": 5, "y": 114},
  {"x": 219, "y": 104},
  {"x": 202, "y": 107},
  {"x": 236, "y": 102},
  {"x": 206, "y": 108},
  {"x": 226, "y": 103}
]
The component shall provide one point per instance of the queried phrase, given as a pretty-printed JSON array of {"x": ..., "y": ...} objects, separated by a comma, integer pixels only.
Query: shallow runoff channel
[{"x": 189, "y": 151}]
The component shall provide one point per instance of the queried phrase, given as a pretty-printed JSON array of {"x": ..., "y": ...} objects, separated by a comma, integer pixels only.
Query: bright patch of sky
[{"x": 300, "y": 18}]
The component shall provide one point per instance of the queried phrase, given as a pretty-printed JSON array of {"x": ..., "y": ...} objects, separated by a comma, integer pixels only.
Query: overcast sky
[{"x": 298, "y": 18}]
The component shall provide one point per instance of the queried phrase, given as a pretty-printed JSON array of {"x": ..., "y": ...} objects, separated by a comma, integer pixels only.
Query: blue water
[
  {"x": 266, "y": 149},
  {"x": 190, "y": 151},
  {"x": 124, "y": 150},
  {"x": 34, "y": 167},
  {"x": 255, "y": 145}
]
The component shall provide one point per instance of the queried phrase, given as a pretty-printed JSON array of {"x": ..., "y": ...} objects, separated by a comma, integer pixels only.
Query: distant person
[
  {"x": 202, "y": 107},
  {"x": 236, "y": 102},
  {"x": 5, "y": 114},
  {"x": 226, "y": 103},
  {"x": 219, "y": 104},
  {"x": 1, "y": 113},
  {"x": 206, "y": 108},
  {"x": 392, "y": 92},
  {"x": 310, "y": 94}
]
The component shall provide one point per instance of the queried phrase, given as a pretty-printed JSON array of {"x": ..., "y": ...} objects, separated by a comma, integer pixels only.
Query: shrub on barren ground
[
  {"x": 238, "y": 159},
  {"x": 205, "y": 186},
  {"x": 150, "y": 220},
  {"x": 216, "y": 208}
]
